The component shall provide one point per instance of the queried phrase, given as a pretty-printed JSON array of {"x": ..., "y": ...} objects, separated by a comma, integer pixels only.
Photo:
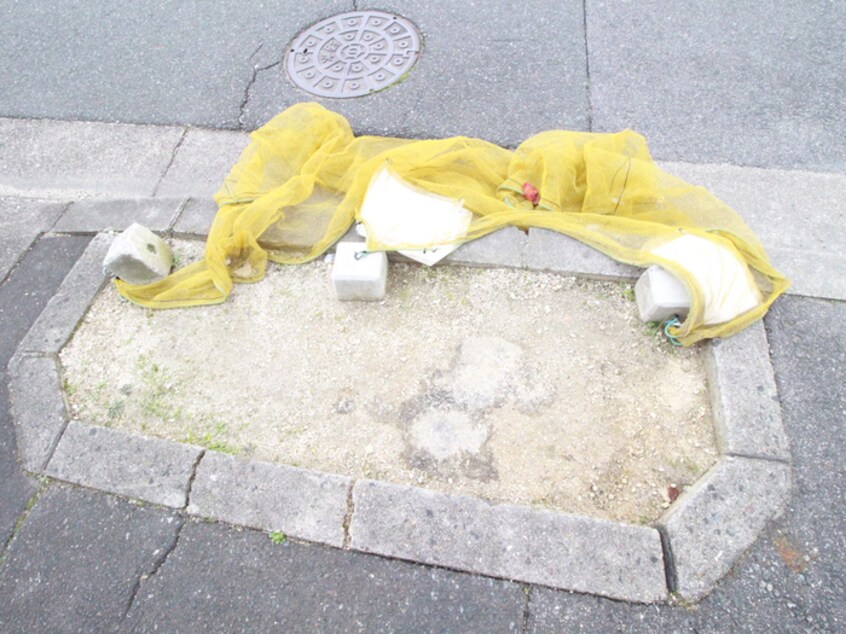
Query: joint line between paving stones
[
  {"x": 345, "y": 544},
  {"x": 669, "y": 561},
  {"x": 157, "y": 565},
  {"x": 30, "y": 503},
  {"x": 587, "y": 67},
  {"x": 29, "y": 247},
  {"x": 527, "y": 590},
  {"x": 781, "y": 461},
  {"x": 193, "y": 477},
  {"x": 171, "y": 161},
  {"x": 175, "y": 218}
]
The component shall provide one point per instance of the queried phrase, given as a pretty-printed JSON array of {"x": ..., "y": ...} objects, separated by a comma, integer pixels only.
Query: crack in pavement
[
  {"x": 157, "y": 565},
  {"x": 242, "y": 111},
  {"x": 170, "y": 162}
]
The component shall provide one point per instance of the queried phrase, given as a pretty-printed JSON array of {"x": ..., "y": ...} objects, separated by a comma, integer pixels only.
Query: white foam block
[{"x": 358, "y": 275}]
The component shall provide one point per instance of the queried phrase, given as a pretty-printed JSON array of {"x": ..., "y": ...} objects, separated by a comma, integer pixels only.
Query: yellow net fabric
[{"x": 297, "y": 188}]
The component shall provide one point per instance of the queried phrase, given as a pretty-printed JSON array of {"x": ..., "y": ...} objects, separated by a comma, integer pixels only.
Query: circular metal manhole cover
[{"x": 353, "y": 54}]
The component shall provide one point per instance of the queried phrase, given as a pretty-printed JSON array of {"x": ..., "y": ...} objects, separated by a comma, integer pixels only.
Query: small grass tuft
[{"x": 277, "y": 537}]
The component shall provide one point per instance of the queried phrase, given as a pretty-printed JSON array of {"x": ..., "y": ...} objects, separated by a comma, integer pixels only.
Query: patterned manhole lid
[{"x": 353, "y": 54}]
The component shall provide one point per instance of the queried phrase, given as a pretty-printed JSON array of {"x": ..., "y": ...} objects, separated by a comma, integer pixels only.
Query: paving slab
[
  {"x": 15, "y": 487},
  {"x": 493, "y": 78},
  {"x": 21, "y": 221},
  {"x": 793, "y": 212},
  {"x": 744, "y": 400},
  {"x": 38, "y": 408},
  {"x": 94, "y": 216},
  {"x": 116, "y": 159},
  {"x": 32, "y": 284},
  {"x": 75, "y": 562},
  {"x": 565, "y": 551},
  {"x": 53, "y": 68},
  {"x": 552, "y": 251},
  {"x": 57, "y": 322},
  {"x": 224, "y": 579},
  {"x": 298, "y": 502},
  {"x": 203, "y": 159},
  {"x": 719, "y": 517},
  {"x": 750, "y": 83},
  {"x": 149, "y": 469}
]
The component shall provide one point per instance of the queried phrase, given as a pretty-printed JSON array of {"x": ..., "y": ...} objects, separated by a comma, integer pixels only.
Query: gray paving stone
[
  {"x": 21, "y": 220},
  {"x": 94, "y": 216},
  {"x": 744, "y": 399},
  {"x": 718, "y": 518},
  {"x": 564, "y": 551},
  {"x": 75, "y": 562},
  {"x": 56, "y": 324},
  {"x": 791, "y": 213},
  {"x": 300, "y": 503},
  {"x": 203, "y": 159},
  {"x": 38, "y": 408},
  {"x": 32, "y": 284},
  {"x": 505, "y": 247},
  {"x": 196, "y": 217},
  {"x": 499, "y": 78},
  {"x": 149, "y": 469},
  {"x": 750, "y": 83},
  {"x": 553, "y": 251},
  {"x": 124, "y": 160},
  {"x": 225, "y": 579},
  {"x": 15, "y": 488}
]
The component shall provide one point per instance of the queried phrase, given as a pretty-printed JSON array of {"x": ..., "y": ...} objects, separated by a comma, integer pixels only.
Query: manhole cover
[{"x": 353, "y": 54}]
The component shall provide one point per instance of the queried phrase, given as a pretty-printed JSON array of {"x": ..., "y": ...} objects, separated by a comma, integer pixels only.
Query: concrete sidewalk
[{"x": 743, "y": 98}]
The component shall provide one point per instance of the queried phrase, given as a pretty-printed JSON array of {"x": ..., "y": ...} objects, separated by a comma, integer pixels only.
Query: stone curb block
[
  {"x": 93, "y": 216},
  {"x": 300, "y": 503},
  {"x": 37, "y": 407},
  {"x": 196, "y": 217},
  {"x": 203, "y": 160},
  {"x": 747, "y": 413},
  {"x": 118, "y": 159},
  {"x": 505, "y": 540},
  {"x": 505, "y": 247},
  {"x": 719, "y": 517},
  {"x": 58, "y": 320},
  {"x": 552, "y": 251},
  {"x": 142, "y": 467}
]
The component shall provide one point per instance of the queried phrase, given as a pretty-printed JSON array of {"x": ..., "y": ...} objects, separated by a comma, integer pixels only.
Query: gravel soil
[{"x": 510, "y": 385}]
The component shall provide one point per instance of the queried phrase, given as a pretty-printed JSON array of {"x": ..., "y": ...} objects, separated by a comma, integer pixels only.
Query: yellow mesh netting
[{"x": 298, "y": 185}]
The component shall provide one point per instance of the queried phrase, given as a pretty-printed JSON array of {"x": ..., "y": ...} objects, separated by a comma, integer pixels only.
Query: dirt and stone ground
[{"x": 511, "y": 385}]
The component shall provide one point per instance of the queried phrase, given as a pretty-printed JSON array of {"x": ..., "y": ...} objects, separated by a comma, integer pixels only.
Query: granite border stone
[
  {"x": 549, "y": 250},
  {"x": 94, "y": 216},
  {"x": 301, "y": 503},
  {"x": 63, "y": 312},
  {"x": 142, "y": 467},
  {"x": 714, "y": 521},
  {"x": 505, "y": 540},
  {"x": 196, "y": 217},
  {"x": 747, "y": 413},
  {"x": 702, "y": 534},
  {"x": 37, "y": 407}
]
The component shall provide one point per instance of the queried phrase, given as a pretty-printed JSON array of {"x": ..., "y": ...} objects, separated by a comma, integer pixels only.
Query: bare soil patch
[{"x": 510, "y": 385}]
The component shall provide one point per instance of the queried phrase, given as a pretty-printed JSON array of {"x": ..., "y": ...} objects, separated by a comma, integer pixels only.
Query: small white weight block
[
  {"x": 138, "y": 256},
  {"x": 660, "y": 296},
  {"x": 358, "y": 275}
]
